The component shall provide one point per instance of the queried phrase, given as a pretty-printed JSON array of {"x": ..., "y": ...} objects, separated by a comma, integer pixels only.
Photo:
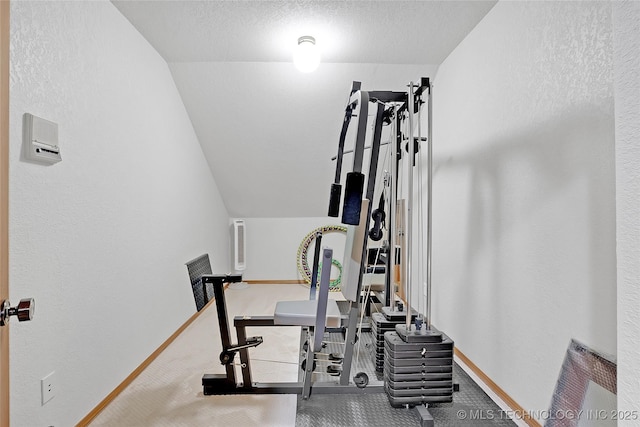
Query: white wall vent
[{"x": 239, "y": 245}]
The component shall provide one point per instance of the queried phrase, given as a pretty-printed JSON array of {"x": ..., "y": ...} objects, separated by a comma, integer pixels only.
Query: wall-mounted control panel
[{"x": 40, "y": 138}]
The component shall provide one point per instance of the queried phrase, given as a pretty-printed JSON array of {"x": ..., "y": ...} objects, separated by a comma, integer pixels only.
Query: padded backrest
[
  {"x": 197, "y": 268},
  {"x": 356, "y": 235}
]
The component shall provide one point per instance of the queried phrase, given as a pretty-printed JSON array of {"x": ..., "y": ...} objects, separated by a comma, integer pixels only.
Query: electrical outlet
[{"x": 48, "y": 387}]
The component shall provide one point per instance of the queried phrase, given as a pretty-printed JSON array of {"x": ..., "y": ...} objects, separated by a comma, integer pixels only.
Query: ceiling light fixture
[{"x": 306, "y": 57}]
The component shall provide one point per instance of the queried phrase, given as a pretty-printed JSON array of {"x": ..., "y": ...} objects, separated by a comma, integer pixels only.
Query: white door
[{"x": 23, "y": 309}]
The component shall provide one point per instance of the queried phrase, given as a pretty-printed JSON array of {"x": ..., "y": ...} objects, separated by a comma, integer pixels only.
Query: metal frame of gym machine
[{"x": 223, "y": 384}]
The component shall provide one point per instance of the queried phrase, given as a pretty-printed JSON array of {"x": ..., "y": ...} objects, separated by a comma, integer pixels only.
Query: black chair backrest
[{"x": 197, "y": 268}]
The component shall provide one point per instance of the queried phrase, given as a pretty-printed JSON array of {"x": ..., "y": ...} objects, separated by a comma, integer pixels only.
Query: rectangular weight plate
[
  {"x": 419, "y": 393},
  {"x": 397, "y": 316},
  {"x": 395, "y": 343},
  {"x": 418, "y": 387},
  {"x": 412, "y": 369},
  {"x": 390, "y": 376},
  {"x": 423, "y": 336},
  {"x": 437, "y": 354},
  {"x": 398, "y": 402},
  {"x": 417, "y": 354},
  {"x": 424, "y": 362}
]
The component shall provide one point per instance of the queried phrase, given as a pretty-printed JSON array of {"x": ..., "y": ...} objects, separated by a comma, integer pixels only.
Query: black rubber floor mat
[{"x": 471, "y": 407}]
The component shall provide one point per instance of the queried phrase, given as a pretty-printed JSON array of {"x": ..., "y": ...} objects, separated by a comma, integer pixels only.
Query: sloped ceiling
[{"x": 267, "y": 131}]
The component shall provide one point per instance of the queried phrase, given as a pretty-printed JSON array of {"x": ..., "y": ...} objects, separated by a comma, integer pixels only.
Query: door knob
[{"x": 23, "y": 311}]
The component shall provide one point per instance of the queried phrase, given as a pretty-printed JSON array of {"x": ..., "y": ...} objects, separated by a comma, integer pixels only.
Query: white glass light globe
[{"x": 306, "y": 57}]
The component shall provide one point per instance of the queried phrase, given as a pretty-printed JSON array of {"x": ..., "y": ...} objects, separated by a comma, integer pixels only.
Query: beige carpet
[{"x": 169, "y": 391}]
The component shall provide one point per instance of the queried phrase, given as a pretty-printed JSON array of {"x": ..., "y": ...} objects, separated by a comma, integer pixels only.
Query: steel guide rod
[
  {"x": 429, "y": 203},
  {"x": 409, "y": 225},
  {"x": 421, "y": 243}
]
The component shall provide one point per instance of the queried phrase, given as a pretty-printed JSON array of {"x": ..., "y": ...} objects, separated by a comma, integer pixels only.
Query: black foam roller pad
[
  {"x": 334, "y": 200},
  {"x": 353, "y": 198}
]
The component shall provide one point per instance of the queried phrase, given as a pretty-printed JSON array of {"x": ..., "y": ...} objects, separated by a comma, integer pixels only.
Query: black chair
[{"x": 197, "y": 268}]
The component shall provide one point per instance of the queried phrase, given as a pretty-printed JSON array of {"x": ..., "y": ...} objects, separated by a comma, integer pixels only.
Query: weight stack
[
  {"x": 383, "y": 322},
  {"x": 418, "y": 367}
]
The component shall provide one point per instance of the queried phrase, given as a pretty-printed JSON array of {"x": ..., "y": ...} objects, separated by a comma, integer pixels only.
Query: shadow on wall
[{"x": 535, "y": 220}]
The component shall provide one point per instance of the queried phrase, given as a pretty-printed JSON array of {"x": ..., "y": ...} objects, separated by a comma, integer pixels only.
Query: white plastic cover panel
[{"x": 41, "y": 140}]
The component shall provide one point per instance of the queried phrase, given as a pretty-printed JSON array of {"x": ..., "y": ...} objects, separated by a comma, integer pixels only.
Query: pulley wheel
[
  {"x": 226, "y": 357},
  {"x": 361, "y": 380},
  {"x": 303, "y": 366}
]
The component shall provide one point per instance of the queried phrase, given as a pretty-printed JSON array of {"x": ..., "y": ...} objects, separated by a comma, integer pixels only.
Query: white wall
[
  {"x": 626, "y": 19},
  {"x": 272, "y": 246},
  {"x": 524, "y": 208},
  {"x": 100, "y": 240}
]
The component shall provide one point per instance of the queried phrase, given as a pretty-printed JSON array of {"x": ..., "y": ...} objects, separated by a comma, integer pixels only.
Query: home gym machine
[
  {"x": 412, "y": 361},
  {"x": 415, "y": 359}
]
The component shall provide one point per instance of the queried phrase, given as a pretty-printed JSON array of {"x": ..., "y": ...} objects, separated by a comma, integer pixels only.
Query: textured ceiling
[{"x": 267, "y": 131}]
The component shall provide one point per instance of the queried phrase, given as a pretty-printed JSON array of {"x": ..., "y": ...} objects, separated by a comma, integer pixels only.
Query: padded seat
[{"x": 303, "y": 313}]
